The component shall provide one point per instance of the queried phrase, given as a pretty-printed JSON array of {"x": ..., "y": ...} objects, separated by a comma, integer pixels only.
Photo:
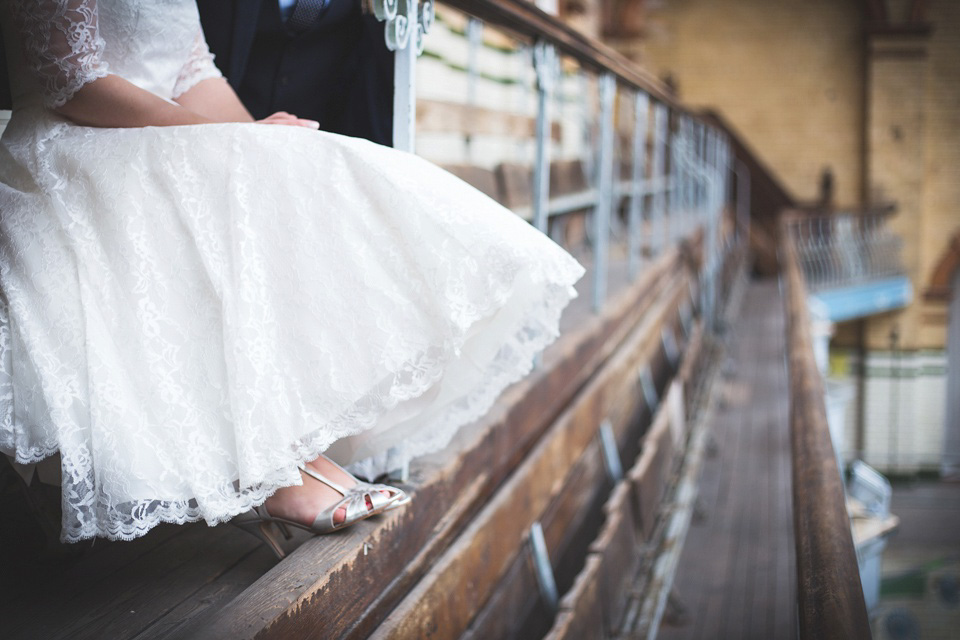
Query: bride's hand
[{"x": 282, "y": 117}]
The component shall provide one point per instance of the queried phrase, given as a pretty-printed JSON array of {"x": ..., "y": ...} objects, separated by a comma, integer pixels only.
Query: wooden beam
[
  {"x": 581, "y": 614},
  {"x": 829, "y": 593},
  {"x": 619, "y": 552},
  {"x": 437, "y": 116}
]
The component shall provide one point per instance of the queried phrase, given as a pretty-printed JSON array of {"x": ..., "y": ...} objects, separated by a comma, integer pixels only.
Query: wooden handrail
[
  {"x": 830, "y": 599},
  {"x": 526, "y": 19}
]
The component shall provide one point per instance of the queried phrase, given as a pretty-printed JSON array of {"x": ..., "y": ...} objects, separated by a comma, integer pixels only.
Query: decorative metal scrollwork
[
  {"x": 397, "y": 16},
  {"x": 385, "y": 9}
]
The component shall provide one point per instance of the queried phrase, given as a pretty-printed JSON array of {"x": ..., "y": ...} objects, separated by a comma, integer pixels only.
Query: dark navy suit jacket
[{"x": 339, "y": 72}]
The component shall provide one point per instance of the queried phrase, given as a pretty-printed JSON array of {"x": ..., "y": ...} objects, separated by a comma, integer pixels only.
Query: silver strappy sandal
[{"x": 355, "y": 500}]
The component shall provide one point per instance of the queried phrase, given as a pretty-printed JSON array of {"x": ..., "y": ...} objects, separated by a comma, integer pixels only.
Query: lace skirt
[{"x": 190, "y": 312}]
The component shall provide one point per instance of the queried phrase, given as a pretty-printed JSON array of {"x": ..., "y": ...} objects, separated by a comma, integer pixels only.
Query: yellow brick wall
[
  {"x": 941, "y": 194},
  {"x": 794, "y": 79},
  {"x": 788, "y": 74},
  {"x": 914, "y": 158},
  {"x": 896, "y": 81}
]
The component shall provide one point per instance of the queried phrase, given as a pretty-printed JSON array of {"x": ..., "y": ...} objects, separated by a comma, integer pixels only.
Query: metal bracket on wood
[
  {"x": 611, "y": 455},
  {"x": 686, "y": 318},
  {"x": 670, "y": 348},
  {"x": 650, "y": 394},
  {"x": 541, "y": 561},
  {"x": 402, "y": 473}
]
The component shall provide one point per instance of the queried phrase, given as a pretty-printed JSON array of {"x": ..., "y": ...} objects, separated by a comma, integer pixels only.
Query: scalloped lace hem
[{"x": 87, "y": 515}]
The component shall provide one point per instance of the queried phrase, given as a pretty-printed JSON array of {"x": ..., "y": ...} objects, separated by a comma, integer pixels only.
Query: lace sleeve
[
  {"x": 199, "y": 66},
  {"x": 62, "y": 45}
]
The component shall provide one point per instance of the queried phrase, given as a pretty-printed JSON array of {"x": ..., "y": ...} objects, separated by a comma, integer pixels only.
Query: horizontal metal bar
[
  {"x": 525, "y": 19},
  {"x": 570, "y": 202}
]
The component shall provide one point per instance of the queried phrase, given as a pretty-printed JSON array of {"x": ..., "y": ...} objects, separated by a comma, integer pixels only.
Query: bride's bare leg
[{"x": 303, "y": 503}]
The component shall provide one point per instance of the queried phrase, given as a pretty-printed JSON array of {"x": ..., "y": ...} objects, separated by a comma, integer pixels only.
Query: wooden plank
[
  {"x": 438, "y": 116},
  {"x": 674, "y": 405},
  {"x": 514, "y": 184},
  {"x": 96, "y": 605},
  {"x": 50, "y": 582},
  {"x": 516, "y": 598},
  {"x": 584, "y": 615},
  {"x": 735, "y": 572},
  {"x": 444, "y": 602},
  {"x": 691, "y": 361},
  {"x": 571, "y": 521},
  {"x": 619, "y": 553},
  {"x": 478, "y": 177},
  {"x": 570, "y": 526},
  {"x": 294, "y": 599},
  {"x": 831, "y": 603},
  {"x": 644, "y": 491},
  {"x": 200, "y": 605},
  {"x": 666, "y": 451},
  {"x": 567, "y": 176},
  {"x": 143, "y": 601}
]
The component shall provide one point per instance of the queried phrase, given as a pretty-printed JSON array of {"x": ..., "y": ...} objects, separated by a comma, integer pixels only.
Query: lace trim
[
  {"x": 198, "y": 67},
  {"x": 131, "y": 520},
  {"x": 62, "y": 45}
]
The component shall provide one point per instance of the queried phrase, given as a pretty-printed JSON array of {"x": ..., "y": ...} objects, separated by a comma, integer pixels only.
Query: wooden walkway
[{"x": 737, "y": 576}]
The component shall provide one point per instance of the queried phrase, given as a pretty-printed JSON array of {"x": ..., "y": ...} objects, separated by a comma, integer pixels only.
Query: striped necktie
[{"x": 305, "y": 14}]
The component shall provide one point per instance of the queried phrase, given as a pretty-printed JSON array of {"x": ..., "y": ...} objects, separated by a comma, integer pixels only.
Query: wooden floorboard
[{"x": 736, "y": 575}]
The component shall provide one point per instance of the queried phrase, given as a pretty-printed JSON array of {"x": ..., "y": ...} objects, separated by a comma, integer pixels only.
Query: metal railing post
[
  {"x": 403, "y": 31},
  {"x": 601, "y": 217},
  {"x": 544, "y": 61},
  {"x": 406, "y": 26},
  {"x": 672, "y": 232},
  {"x": 474, "y": 42},
  {"x": 657, "y": 213},
  {"x": 641, "y": 105}
]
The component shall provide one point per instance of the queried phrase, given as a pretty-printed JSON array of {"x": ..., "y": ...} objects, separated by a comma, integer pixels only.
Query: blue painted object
[{"x": 868, "y": 298}]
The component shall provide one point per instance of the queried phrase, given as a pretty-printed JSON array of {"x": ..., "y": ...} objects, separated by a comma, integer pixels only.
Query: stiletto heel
[
  {"x": 255, "y": 524},
  {"x": 284, "y": 530}
]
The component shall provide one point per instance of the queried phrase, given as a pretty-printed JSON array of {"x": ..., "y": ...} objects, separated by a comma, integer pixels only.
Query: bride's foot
[{"x": 303, "y": 503}]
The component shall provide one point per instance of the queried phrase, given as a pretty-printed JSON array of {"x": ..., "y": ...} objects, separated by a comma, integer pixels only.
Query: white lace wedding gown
[{"x": 191, "y": 311}]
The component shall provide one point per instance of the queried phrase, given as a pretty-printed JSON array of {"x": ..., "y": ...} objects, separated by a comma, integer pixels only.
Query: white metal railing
[
  {"x": 845, "y": 249},
  {"x": 681, "y": 167}
]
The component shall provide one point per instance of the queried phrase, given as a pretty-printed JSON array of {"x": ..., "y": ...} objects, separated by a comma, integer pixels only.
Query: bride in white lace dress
[{"x": 196, "y": 304}]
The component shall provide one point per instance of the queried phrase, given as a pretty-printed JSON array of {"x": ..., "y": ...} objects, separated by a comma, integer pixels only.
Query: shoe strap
[
  {"x": 325, "y": 480},
  {"x": 353, "y": 503}
]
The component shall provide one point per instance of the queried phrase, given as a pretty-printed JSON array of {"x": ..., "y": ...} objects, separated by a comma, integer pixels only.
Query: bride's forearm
[
  {"x": 112, "y": 101},
  {"x": 215, "y": 99}
]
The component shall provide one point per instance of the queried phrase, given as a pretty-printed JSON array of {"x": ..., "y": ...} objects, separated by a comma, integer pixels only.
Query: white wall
[{"x": 905, "y": 402}]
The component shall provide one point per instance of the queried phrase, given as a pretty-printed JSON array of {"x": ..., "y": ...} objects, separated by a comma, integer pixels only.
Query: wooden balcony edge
[{"x": 829, "y": 592}]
